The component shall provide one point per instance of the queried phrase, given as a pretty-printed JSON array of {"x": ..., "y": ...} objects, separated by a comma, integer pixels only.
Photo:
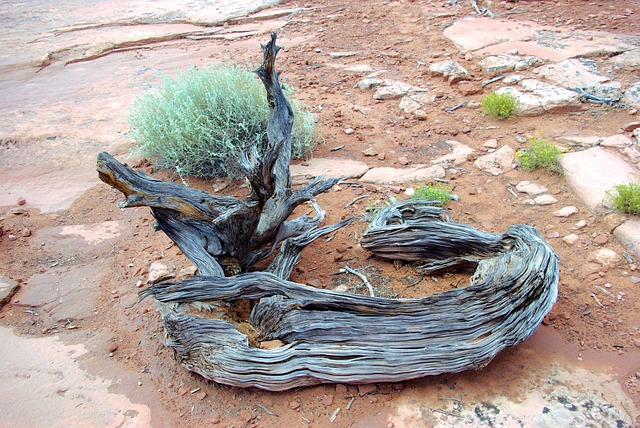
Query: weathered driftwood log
[
  {"x": 338, "y": 337},
  {"x": 216, "y": 323}
]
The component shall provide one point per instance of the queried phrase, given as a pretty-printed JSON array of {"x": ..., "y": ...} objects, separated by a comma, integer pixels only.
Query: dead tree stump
[{"x": 327, "y": 336}]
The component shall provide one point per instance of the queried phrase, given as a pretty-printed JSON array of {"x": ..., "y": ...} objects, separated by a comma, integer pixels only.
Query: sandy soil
[{"x": 124, "y": 339}]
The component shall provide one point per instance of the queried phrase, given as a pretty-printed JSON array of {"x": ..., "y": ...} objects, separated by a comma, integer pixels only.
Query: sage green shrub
[
  {"x": 540, "y": 154},
  {"x": 626, "y": 197},
  {"x": 433, "y": 192},
  {"x": 203, "y": 119},
  {"x": 500, "y": 105}
]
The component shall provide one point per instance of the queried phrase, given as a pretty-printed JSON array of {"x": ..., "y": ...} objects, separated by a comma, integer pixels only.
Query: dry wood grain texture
[{"x": 328, "y": 336}]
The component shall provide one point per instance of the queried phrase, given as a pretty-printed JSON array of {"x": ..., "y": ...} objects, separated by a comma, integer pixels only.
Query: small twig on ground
[
  {"x": 510, "y": 190},
  {"x": 605, "y": 292},
  {"x": 366, "y": 195},
  {"x": 363, "y": 278},
  {"x": 269, "y": 412},
  {"x": 444, "y": 412},
  {"x": 350, "y": 403},
  {"x": 441, "y": 180},
  {"x": 494, "y": 79},
  {"x": 456, "y": 107},
  {"x": 335, "y": 149},
  {"x": 334, "y": 414},
  {"x": 597, "y": 301}
]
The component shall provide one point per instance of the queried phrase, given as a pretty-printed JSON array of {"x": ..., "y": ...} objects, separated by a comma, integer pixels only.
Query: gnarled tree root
[{"x": 327, "y": 336}]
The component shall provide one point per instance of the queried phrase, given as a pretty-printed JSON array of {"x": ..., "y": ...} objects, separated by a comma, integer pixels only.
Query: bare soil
[{"x": 585, "y": 325}]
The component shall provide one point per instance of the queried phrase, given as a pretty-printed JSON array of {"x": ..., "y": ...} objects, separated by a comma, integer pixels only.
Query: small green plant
[
  {"x": 626, "y": 197},
  {"x": 202, "y": 120},
  {"x": 540, "y": 154},
  {"x": 433, "y": 192},
  {"x": 500, "y": 105}
]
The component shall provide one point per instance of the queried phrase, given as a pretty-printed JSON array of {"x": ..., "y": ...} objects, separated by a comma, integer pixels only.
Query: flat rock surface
[
  {"x": 536, "y": 97},
  {"x": 580, "y": 73},
  {"x": 7, "y": 288},
  {"x": 328, "y": 168},
  {"x": 591, "y": 173},
  {"x": 45, "y": 374},
  {"x": 486, "y": 36},
  {"x": 388, "y": 175}
]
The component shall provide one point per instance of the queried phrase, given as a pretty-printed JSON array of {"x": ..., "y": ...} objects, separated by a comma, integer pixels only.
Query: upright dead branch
[{"x": 207, "y": 227}]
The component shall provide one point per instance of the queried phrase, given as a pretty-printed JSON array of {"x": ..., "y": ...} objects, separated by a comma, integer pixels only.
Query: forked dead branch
[{"x": 327, "y": 336}]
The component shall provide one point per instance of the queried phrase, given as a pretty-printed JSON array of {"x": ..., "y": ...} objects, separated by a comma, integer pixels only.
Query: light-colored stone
[
  {"x": 591, "y": 173},
  {"x": 159, "y": 272},
  {"x": 513, "y": 79},
  {"x": 498, "y": 162},
  {"x": 370, "y": 151},
  {"x": 618, "y": 141},
  {"x": 631, "y": 96},
  {"x": 489, "y": 36},
  {"x": 491, "y": 143},
  {"x": 579, "y": 141},
  {"x": 580, "y": 224},
  {"x": 536, "y": 97},
  {"x": 629, "y": 58},
  {"x": 530, "y": 188},
  {"x": 566, "y": 211},
  {"x": 8, "y": 287},
  {"x": 391, "y": 91},
  {"x": 571, "y": 239},
  {"x": 449, "y": 70},
  {"x": 632, "y": 153},
  {"x": 545, "y": 200},
  {"x": 604, "y": 257},
  {"x": 414, "y": 101},
  {"x": 628, "y": 234},
  {"x": 580, "y": 73},
  {"x": 335, "y": 55},
  {"x": 386, "y": 175},
  {"x": 369, "y": 83},
  {"x": 502, "y": 63},
  {"x": 328, "y": 168},
  {"x": 458, "y": 155}
]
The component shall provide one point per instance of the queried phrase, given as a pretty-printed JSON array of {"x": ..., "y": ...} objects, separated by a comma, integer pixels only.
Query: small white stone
[
  {"x": 545, "y": 200},
  {"x": 349, "y": 131},
  {"x": 566, "y": 211},
  {"x": 580, "y": 224},
  {"x": 604, "y": 257},
  {"x": 491, "y": 143},
  {"x": 530, "y": 188},
  {"x": 571, "y": 239}
]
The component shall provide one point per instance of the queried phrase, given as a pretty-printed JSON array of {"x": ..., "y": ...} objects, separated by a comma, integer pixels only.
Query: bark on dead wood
[{"x": 328, "y": 336}]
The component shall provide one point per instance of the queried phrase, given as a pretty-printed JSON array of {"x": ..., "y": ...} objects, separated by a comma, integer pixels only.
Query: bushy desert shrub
[
  {"x": 500, "y": 105},
  {"x": 201, "y": 121},
  {"x": 626, "y": 197},
  {"x": 433, "y": 192},
  {"x": 540, "y": 154}
]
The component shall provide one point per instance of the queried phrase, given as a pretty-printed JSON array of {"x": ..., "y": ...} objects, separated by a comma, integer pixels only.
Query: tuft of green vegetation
[
  {"x": 540, "y": 154},
  {"x": 433, "y": 192},
  {"x": 500, "y": 105},
  {"x": 626, "y": 197},
  {"x": 202, "y": 120}
]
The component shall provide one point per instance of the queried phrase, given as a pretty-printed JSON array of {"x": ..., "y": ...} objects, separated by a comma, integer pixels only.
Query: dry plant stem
[{"x": 364, "y": 279}]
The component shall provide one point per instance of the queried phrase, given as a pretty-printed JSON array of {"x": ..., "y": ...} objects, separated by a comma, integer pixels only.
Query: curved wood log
[{"x": 328, "y": 336}]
